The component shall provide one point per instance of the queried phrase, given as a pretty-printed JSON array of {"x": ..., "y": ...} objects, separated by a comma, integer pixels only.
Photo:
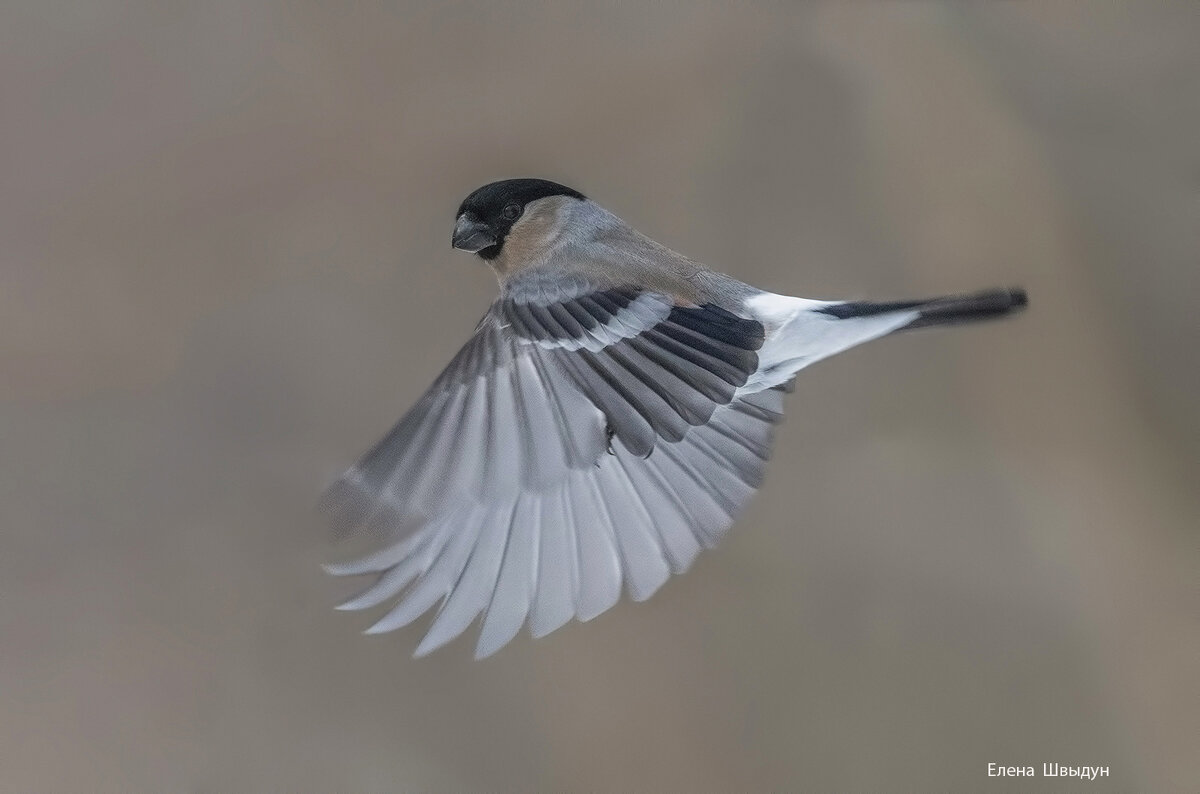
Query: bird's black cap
[{"x": 494, "y": 197}]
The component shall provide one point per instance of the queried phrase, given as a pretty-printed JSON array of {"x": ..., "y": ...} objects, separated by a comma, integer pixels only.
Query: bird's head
[{"x": 512, "y": 209}]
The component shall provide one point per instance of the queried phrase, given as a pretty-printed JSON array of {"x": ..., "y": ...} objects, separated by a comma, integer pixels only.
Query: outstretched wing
[{"x": 498, "y": 479}]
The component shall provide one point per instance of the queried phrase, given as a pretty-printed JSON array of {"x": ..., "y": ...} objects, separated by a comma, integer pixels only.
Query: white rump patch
[{"x": 799, "y": 335}]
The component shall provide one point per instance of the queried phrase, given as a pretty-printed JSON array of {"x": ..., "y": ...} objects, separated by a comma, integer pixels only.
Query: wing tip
[
  {"x": 428, "y": 646},
  {"x": 483, "y": 649}
]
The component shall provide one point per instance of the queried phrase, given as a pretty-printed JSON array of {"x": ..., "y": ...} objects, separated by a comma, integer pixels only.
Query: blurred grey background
[{"x": 226, "y": 271}]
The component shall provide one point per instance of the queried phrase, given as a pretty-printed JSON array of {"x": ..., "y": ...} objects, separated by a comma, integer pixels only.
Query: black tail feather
[{"x": 948, "y": 310}]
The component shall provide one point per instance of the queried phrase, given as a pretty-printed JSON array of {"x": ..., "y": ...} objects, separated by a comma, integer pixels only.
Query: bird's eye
[{"x": 512, "y": 212}]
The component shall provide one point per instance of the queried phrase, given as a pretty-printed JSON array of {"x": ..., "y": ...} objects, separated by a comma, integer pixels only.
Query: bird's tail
[
  {"x": 807, "y": 331},
  {"x": 947, "y": 310}
]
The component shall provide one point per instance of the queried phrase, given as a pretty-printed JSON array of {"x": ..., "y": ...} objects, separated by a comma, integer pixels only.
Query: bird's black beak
[{"x": 471, "y": 235}]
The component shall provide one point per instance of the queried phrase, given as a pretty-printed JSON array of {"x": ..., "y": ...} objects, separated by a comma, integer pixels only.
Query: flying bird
[{"x": 609, "y": 418}]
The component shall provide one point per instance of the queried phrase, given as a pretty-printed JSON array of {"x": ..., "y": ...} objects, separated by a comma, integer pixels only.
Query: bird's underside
[{"x": 585, "y": 442}]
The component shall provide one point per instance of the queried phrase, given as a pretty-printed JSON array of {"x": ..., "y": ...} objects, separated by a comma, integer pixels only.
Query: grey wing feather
[{"x": 545, "y": 557}]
